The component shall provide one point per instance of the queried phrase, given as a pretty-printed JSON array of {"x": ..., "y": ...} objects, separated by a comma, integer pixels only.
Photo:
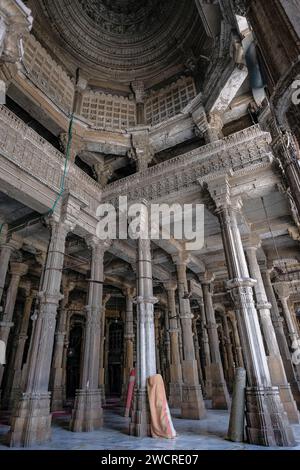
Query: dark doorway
[
  {"x": 73, "y": 360},
  {"x": 115, "y": 358}
]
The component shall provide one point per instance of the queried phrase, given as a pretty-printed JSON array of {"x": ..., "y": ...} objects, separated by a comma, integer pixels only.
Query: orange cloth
[{"x": 161, "y": 421}]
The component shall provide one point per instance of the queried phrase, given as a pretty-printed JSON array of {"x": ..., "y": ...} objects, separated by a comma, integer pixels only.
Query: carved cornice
[{"x": 236, "y": 153}]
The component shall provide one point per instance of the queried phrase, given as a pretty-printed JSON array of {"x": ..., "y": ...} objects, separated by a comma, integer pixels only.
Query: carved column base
[
  {"x": 192, "y": 406},
  {"x": 220, "y": 396},
  {"x": 175, "y": 395},
  {"x": 267, "y": 422},
  {"x": 278, "y": 379},
  {"x": 87, "y": 412},
  {"x": 140, "y": 418},
  {"x": 208, "y": 384},
  {"x": 31, "y": 421},
  {"x": 57, "y": 400}
]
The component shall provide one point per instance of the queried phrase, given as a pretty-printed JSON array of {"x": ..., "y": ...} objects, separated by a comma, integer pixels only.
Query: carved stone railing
[
  {"x": 181, "y": 174},
  {"x": 34, "y": 155}
]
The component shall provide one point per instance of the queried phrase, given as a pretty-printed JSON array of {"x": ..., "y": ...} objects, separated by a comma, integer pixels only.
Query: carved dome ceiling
[{"x": 122, "y": 40}]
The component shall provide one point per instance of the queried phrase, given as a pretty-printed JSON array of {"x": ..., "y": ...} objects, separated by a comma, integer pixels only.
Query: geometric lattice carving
[
  {"x": 167, "y": 102},
  {"x": 107, "y": 111},
  {"x": 47, "y": 74}
]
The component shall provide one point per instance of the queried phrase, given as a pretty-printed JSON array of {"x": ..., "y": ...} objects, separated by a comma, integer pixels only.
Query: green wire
[{"x": 63, "y": 180}]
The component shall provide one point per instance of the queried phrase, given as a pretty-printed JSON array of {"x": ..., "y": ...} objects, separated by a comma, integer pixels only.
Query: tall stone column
[
  {"x": 267, "y": 422},
  {"x": 167, "y": 350},
  {"x": 57, "y": 376},
  {"x": 197, "y": 350},
  {"x": 192, "y": 406},
  {"x": 278, "y": 376},
  {"x": 228, "y": 347},
  {"x": 157, "y": 329},
  {"x": 16, "y": 378},
  {"x": 17, "y": 270},
  {"x": 103, "y": 349},
  {"x": 128, "y": 340},
  {"x": 31, "y": 420},
  {"x": 237, "y": 342},
  {"x": 146, "y": 360},
  {"x": 206, "y": 353},
  {"x": 282, "y": 289},
  {"x": 87, "y": 412},
  {"x": 7, "y": 249},
  {"x": 175, "y": 386},
  {"x": 220, "y": 395},
  {"x": 280, "y": 334}
]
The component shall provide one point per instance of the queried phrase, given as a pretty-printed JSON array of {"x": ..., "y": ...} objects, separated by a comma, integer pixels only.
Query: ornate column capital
[
  {"x": 129, "y": 292},
  {"x": 18, "y": 269},
  {"x": 170, "y": 286},
  {"x": 95, "y": 243},
  {"x": 207, "y": 278},
  {"x": 282, "y": 289},
  {"x": 251, "y": 241},
  {"x": 181, "y": 259}
]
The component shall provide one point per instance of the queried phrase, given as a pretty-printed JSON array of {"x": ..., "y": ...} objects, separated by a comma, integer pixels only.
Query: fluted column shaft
[
  {"x": 175, "y": 396},
  {"x": 17, "y": 271},
  {"x": 57, "y": 385},
  {"x": 87, "y": 412},
  {"x": 220, "y": 396},
  {"x": 20, "y": 347},
  {"x": 145, "y": 341},
  {"x": 31, "y": 422},
  {"x": 128, "y": 340},
  {"x": 192, "y": 406},
  {"x": 260, "y": 394},
  {"x": 276, "y": 367}
]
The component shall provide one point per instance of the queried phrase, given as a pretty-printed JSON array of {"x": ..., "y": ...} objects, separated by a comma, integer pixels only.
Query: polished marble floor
[{"x": 207, "y": 434}]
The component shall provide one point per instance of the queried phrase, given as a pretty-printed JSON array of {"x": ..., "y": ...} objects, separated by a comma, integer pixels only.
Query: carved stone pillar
[
  {"x": 192, "y": 406},
  {"x": 267, "y": 422},
  {"x": 206, "y": 353},
  {"x": 229, "y": 351},
  {"x": 197, "y": 350},
  {"x": 157, "y": 328},
  {"x": 281, "y": 337},
  {"x": 104, "y": 349},
  {"x": 17, "y": 271},
  {"x": 31, "y": 420},
  {"x": 128, "y": 340},
  {"x": 275, "y": 363},
  {"x": 57, "y": 376},
  {"x": 237, "y": 342},
  {"x": 220, "y": 395},
  {"x": 87, "y": 412},
  {"x": 16, "y": 380},
  {"x": 282, "y": 289},
  {"x": 175, "y": 386},
  {"x": 146, "y": 360},
  {"x": 5, "y": 254}
]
